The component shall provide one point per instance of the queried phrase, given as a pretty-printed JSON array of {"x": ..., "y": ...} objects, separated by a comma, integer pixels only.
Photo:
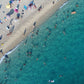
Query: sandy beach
[{"x": 10, "y": 40}]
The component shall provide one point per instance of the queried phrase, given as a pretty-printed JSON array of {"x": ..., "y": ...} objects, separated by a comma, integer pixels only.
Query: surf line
[
  {"x": 9, "y": 52},
  {"x": 64, "y": 4}
]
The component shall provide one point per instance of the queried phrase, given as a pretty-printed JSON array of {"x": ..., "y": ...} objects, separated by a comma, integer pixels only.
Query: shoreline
[{"x": 39, "y": 17}]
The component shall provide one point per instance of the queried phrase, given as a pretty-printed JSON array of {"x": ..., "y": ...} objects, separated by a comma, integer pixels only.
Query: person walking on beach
[
  {"x": 34, "y": 24},
  {"x": 24, "y": 31}
]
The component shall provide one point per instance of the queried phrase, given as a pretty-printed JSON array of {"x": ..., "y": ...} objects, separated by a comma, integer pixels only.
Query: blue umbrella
[{"x": 25, "y": 7}]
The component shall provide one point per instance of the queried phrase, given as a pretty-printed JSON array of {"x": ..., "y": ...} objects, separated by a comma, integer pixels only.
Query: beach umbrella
[
  {"x": 31, "y": 4},
  {"x": 10, "y": 2},
  {"x": 25, "y": 7},
  {"x": 16, "y": 10},
  {"x": 8, "y": 5}
]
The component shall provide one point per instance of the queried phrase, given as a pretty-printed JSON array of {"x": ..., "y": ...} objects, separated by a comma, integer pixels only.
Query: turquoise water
[{"x": 55, "y": 51}]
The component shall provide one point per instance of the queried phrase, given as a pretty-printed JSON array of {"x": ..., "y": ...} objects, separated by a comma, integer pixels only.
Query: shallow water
[{"x": 55, "y": 51}]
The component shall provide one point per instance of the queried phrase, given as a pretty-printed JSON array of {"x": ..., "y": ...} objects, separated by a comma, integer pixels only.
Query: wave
[
  {"x": 9, "y": 52},
  {"x": 64, "y": 4},
  {"x": 2, "y": 59}
]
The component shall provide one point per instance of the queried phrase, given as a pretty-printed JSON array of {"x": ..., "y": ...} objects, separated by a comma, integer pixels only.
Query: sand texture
[{"x": 30, "y": 16}]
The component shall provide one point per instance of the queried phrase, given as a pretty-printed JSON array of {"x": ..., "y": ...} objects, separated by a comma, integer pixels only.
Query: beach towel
[
  {"x": 25, "y": 7},
  {"x": 0, "y": 21}
]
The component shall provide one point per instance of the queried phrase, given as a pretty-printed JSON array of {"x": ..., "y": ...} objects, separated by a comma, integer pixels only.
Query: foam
[
  {"x": 8, "y": 53},
  {"x": 64, "y": 4}
]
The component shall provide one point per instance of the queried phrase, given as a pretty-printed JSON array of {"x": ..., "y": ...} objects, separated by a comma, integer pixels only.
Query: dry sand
[{"x": 27, "y": 22}]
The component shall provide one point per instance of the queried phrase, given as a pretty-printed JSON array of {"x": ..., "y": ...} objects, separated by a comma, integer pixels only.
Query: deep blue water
[{"x": 55, "y": 51}]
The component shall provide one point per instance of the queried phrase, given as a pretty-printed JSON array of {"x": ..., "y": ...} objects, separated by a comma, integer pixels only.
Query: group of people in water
[{"x": 30, "y": 51}]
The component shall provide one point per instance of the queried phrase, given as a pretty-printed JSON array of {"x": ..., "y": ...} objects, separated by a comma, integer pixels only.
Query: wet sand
[{"x": 27, "y": 23}]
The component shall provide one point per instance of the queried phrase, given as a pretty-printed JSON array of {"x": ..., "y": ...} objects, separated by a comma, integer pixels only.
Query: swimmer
[
  {"x": 51, "y": 81},
  {"x": 55, "y": 25},
  {"x": 15, "y": 79},
  {"x": 5, "y": 70},
  {"x": 44, "y": 45},
  {"x": 67, "y": 16},
  {"x": 64, "y": 12},
  {"x": 56, "y": 15},
  {"x": 49, "y": 30},
  {"x": 65, "y": 58},
  {"x": 36, "y": 45},
  {"x": 20, "y": 69},
  {"x": 77, "y": 5},
  {"x": 25, "y": 42},
  {"x": 30, "y": 52},
  {"x": 67, "y": 11},
  {"x": 9, "y": 61},
  {"x": 5, "y": 61},
  {"x": 49, "y": 34},
  {"x": 32, "y": 36},
  {"x": 60, "y": 76},
  {"x": 63, "y": 20},
  {"x": 64, "y": 31},
  {"x": 24, "y": 64},
  {"x": 36, "y": 33},
  {"x": 6, "y": 56},
  {"x": 44, "y": 63},
  {"x": 32, "y": 32},
  {"x": 45, "y": 38},
  {"x": 73, "y": 12},
  {"x": 6, "y": 77}
]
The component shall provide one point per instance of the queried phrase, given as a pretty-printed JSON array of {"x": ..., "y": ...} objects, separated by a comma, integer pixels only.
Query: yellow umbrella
[
  {"x": 2, "y": 44},
  {"x": 8, "y": 5}
]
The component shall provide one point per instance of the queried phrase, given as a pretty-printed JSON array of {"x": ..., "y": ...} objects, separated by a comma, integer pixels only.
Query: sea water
[{"x": 53, "y": 51}]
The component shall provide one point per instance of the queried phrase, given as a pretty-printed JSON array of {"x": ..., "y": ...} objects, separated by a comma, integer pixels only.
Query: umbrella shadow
[{"x": 10, "y": 12}]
